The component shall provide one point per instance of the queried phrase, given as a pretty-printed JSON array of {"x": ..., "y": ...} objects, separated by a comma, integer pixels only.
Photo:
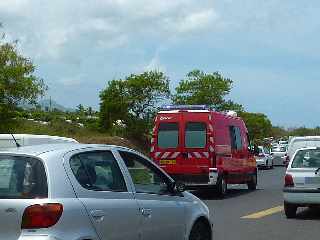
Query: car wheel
[
  {"x": 222, "y": 187},
  {"x": 200, "y": 231},
  {"x": 290, "y": 210},
  {"x": 252, "y": 184}
]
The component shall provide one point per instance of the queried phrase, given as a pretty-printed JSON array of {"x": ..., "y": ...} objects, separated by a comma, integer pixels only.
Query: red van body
[{"x": 202, "y": 147}]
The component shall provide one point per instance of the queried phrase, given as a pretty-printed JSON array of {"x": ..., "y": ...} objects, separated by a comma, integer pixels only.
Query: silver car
[
  {"x": 302, "y": 181},
  {"x": 90, "y": 192},
  {"x": 263, "y": 158},
  {"x": 278, "y": 154}
]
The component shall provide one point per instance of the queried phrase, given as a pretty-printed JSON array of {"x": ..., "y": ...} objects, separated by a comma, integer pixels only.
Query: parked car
[
  {"x": 11, "y": 140},
  {"x": 96, "y": 192},
  {"x": 203, "y": 148},
  {"x": 302, "y": 181},
  {"x": 264, "y": 158},
  {"x": 278, "y": 154},
  {"x": 300, "y": 142}
]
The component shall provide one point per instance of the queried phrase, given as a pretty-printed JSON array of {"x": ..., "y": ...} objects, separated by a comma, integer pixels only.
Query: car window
[
  {"x": 306, "y": 159},
  {"x": 22, "y": 178},
  {"x": 168, "y": 135},
  {"x": 235, "y": 137},
  {"x": 195, "y": 135},
  {"x": 98, "y": 171},
  {"x": 146, "y": 177}
]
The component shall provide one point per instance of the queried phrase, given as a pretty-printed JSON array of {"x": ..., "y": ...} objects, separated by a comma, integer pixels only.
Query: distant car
[
  {"x": 300, "y": 142},
  {"x": 278, "y": 154},
  {"x": 96, "y": 192},
  {"x": 264, "y": 159},
  {"x": 302, "y": 181}
]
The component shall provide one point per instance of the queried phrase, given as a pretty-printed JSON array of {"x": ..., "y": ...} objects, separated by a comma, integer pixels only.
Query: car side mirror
[{"x": 180, "y": 187}]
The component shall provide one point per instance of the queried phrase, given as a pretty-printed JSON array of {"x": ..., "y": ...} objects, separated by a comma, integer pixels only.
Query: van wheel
[
  {"x": 290, "y": 210},
  {"x": 222, "y": 187},
  {"x": 252, "y": 184}
]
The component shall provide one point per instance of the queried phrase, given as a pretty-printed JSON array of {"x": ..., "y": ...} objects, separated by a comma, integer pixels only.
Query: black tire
[
  {"x": 200, "y": 231},
  {"x": 222, "y": 187},
  {"x": 252, "y": 184},
  {"x": 290, "y": 210}
]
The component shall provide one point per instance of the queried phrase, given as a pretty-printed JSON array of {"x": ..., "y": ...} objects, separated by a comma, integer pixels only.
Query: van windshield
[
  {"x": 168, "y": 135},
  {"x": 309, "y": 158},
  {"x": 195, "y": 136},
  {"x": 22, "y": 178}
]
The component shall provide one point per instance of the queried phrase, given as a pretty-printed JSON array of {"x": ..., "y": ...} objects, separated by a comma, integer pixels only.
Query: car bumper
[
  {"x": 261, "y": 162},
  {"x": 39, "y": 237},
  {"x": 301, "y": 196}
]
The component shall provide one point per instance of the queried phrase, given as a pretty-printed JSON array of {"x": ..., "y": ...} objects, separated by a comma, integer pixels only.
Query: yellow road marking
[{"x": 264, "y": 213}]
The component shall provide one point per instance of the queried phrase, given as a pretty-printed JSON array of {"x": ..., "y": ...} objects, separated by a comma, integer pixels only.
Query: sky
[{"x": 270, "y": 49}]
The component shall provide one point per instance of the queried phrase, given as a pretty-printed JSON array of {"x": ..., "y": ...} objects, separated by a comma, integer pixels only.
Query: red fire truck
[{"x": 200, "y": 147}]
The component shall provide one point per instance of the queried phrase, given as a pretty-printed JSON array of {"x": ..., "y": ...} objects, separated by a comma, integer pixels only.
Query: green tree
[
  {"x": 258, "y": 125},
  {"x": 205, "y": 88},
  {"x": 133, "y": 100},
  {"x": 17, "y": 82}
]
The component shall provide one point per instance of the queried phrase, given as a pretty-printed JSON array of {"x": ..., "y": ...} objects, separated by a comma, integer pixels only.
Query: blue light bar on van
[{"x": 184, "y": 107}]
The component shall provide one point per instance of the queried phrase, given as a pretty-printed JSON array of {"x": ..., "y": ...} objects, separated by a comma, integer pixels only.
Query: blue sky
[{"x": 270, "y": 49}]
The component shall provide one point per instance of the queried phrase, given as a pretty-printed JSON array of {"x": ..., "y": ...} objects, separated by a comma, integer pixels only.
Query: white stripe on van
[
  {"x": 176, "y": 154},
  {"x": 198, "y": 155},
  {"x": 211, "y": 149},
  {"x": 165, "y": 155},
  {"x": 206, "y": 154}
]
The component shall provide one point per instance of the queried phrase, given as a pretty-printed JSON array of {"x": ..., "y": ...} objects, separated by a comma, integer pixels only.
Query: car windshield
[
  {"x": 21, "y": 178},
  {"x": 309, "y": 158}
]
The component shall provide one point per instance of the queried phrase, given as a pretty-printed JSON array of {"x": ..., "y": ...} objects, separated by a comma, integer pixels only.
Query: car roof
[{"x": 37, "y": 150}]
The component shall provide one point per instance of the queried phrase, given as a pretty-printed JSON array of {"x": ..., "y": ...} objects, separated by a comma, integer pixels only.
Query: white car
[
  {"x": 302, "y": 181},
  {"x": 264, "y": 159},
  {"x": 278, "y": 154},
  {"x": 301, "y": 142},
  {"x": 11, "y": 140},
  {"x": 93, "y": 192}
]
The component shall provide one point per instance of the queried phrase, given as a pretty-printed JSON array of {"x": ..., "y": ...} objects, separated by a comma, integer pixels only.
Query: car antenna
[{"x": 15, "y": 140}]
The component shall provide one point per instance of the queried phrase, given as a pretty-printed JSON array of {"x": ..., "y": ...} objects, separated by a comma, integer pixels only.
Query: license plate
[
  {"x": 312, "y": 180},
  {"x": 167, "y": 161}
]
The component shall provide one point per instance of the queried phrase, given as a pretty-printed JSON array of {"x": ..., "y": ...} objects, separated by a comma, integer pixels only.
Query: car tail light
[
  {"x": 41, "y": 216},
  {"x": 288, "y": 181}
]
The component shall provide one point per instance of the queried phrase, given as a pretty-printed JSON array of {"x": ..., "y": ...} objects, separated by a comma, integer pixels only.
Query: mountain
[{"x": 47, "y": 104}]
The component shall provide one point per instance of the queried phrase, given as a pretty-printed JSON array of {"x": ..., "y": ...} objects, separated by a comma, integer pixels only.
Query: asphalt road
[{"x": 251, "y": 215}]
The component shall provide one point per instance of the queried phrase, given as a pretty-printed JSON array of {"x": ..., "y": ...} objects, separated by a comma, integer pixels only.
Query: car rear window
[
  {"x": 196, "y": 136},
  {"x": 22, "y": 178},
  {"x": 168, "y": 135},
  {"x": 309, "y": 158}
]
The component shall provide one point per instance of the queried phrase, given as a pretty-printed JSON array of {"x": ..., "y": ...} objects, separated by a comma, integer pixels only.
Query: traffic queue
[{"x": 56, "y": 188}]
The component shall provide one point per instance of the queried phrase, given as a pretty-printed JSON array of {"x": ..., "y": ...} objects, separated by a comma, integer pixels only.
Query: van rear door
[
  {"x": 196, "y": 127},
  {"x": 166, "y": 142}
]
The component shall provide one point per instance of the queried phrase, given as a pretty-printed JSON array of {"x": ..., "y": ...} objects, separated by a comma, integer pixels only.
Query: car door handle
[
  {"x": 146, "y": 212},
  {"x": 97, "y": 215}
]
